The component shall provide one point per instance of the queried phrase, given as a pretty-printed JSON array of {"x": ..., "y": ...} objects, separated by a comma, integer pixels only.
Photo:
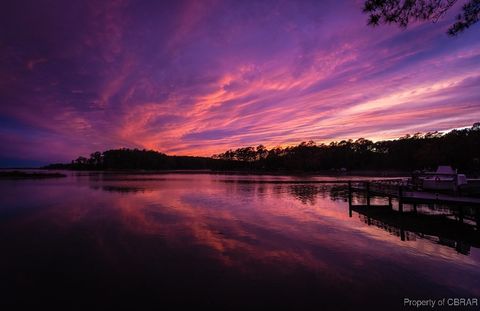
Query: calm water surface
[{"x": 148, "y": 241}]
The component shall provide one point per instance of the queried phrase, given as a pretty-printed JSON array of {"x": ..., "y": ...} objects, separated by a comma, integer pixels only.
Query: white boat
[{"x": 445, "y": 178}]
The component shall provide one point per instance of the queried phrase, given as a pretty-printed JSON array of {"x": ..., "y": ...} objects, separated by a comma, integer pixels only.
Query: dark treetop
[{"x": 403, "y": 12}]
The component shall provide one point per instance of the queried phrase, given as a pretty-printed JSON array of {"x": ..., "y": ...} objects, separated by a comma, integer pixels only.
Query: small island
[{"x": 29, "y": 175}]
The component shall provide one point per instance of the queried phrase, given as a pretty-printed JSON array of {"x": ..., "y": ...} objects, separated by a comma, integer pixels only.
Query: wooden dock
[
  {"x": 404, "y": 193},
  {"x": 407, "y": 194}
]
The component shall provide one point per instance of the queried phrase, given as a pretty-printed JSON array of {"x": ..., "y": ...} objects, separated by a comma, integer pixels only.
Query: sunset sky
[{"x": 200, "y": 77}]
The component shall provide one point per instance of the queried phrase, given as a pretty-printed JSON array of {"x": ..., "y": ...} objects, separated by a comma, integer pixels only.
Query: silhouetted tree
[
  {"x": 96, "y": 159},
  {"x": 262, "y": 152},
  {"x": 403, "y": 12}
]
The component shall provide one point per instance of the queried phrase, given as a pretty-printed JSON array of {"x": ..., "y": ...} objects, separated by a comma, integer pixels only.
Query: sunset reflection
[{"x": 255, "y": 230}]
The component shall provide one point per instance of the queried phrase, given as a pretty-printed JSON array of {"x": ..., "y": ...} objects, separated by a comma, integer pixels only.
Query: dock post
[
  {"x": 477, "y": 218},
  {"x": 400, "y": 199},
  {"x": 367, "y": 186},
  {"x": 460, "y": 214},
  {"x": 350, "y": 193},
  {"x": 455, "y": 186},
  {"x": 415, "y": 208},
  {"x": 350, "y": 198},
  {"x": 390, "y": 201}
]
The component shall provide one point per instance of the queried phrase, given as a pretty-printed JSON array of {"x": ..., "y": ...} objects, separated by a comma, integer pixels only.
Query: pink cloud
[{"x": 199, "y": 78}]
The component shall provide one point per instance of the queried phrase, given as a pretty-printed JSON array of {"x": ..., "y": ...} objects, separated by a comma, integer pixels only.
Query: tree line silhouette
[
  {"x": 459, "y": 148},
  {"x": 134, "y": 159}
]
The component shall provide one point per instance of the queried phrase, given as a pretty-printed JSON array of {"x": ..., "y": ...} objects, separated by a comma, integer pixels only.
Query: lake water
[{"x": 239, "y": 241}]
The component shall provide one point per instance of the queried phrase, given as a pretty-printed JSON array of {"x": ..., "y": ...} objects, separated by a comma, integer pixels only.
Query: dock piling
[
  {"x": 367, "y": 187},
  {"x": 477, "y": 218},
  {"x": 400, "y": 198},
  {"x": 350, "y": 198}
]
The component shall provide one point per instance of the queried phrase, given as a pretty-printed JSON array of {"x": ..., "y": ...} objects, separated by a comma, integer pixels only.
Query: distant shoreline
[
  {"x": 366, "y": 173},
  {"x": 18, "y": 174}
]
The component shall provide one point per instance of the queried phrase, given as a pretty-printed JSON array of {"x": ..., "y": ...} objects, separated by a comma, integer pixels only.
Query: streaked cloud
[{"x": 199, "y": 77}]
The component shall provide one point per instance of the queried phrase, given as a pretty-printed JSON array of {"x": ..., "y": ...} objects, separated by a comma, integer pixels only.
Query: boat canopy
[{"x": 446, "y": 170}]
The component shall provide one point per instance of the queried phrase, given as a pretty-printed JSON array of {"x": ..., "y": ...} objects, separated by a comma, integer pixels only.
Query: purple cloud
[{"x": 191, "y": 77}]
